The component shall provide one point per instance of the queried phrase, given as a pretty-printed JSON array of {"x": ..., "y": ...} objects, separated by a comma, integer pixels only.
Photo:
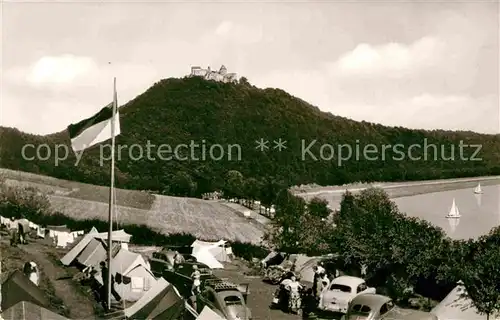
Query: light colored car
[
  {"x": 341, "y": 291},
  {"x": 379, "y": 307}
]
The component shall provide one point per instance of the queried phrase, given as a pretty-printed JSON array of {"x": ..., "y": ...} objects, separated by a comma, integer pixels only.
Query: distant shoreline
[{"x": 397, "y": 189}]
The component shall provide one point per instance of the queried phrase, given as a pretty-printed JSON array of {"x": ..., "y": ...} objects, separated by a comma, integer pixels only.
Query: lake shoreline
[{"x": 399, "y": 189}]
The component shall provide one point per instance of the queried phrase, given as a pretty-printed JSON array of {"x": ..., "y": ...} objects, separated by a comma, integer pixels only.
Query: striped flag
[{"x": 95, "y": 129}]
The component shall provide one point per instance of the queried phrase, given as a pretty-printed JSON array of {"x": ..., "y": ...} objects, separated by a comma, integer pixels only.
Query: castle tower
[{"x": 223, "y": 70}]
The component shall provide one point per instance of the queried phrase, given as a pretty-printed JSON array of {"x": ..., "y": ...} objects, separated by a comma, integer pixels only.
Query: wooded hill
[{"x": 178, "y": 111}]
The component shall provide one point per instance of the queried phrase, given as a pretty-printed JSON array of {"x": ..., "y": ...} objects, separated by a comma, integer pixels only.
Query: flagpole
[
  {"x": 111, "y": 193},
  {"x": 1, "y": 310}
]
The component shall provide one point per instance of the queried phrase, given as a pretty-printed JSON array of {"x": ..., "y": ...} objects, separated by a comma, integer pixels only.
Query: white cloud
[
  {"x": 390, "y": 59},
  {"x": 56, "y": 104},
  {"x": 59, "y": 69}
]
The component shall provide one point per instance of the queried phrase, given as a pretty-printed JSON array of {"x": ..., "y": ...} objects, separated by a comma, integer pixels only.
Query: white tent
[
  {"x": 457, "y": 307},
  {"x": 209, "y": 314},
  {"x": 130, "y": 266},
  {"x": 220, "y": 249},
  {"x": 80, "y": 246},
  {"x": 118, "y": 236},
  {"x": 206, "y": 257}
]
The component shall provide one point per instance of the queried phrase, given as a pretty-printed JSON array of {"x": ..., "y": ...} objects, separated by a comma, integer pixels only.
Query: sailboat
[
  {"x": 454, "y": 213},
  {"x": 478, "y": 190}
]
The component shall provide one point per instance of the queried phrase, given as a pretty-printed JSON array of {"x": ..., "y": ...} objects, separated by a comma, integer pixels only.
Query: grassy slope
[{"x": 204, "y": 219}]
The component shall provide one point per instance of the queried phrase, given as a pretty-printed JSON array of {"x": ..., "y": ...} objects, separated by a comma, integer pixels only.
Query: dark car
[
  {"x": 180, "y": 277},
  {"x": 164, "y": 260},
  {"x": 225, "y": 298}
]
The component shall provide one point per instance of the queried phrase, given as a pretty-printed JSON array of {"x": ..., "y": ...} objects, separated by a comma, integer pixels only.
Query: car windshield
[
  {"x": 232, "y": 300},
  {"x": 340, "y": 287}
]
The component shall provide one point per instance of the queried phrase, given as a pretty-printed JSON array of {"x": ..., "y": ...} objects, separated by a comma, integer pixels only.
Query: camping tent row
[
  {"x": 154, "y": 298},
  {"x": 60, "y": 235},
  {"x": 132, "y": 273},
  {"x": 162, "y": 302},
  {"x": 22, "y": 299}
]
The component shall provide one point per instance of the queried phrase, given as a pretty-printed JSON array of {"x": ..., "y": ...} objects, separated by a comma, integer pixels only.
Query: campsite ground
[
  {"x": 71, "y": 299},
  {"x": 261, "y": 293}
]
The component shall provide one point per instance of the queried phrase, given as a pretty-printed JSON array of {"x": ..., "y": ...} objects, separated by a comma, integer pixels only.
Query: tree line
[{"x": 404, "y": 256}]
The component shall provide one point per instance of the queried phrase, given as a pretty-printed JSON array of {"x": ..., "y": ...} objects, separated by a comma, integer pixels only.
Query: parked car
[
  {"x": 225, "y": 298},
  {"x": 341, "y": 291},
  {"x": 164, "y": 261},
  {"x": 180, "y": 277},
  {"x": 378, "y": 307}
]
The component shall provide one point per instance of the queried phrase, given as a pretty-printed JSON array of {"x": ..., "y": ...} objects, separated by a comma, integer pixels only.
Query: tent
[
  {"x": 306, "y": 271},
  {"x": 18, "y": 288},
  {"x": 79, "y": 247},
  {"x": 209, "y": 314},
  {"x": 162, "y": 301},
  {"x": 206, "y": 257},
  {"x": 273, "y": 258},
  {"x": 457, "y": 307},
  {"x": 220, "y": 249},
  {"x": 118, "y": 236},
  {"x": 23, "y": 225},
  {"x": 93, "y": 254},
  {"x": 132, "y": 275},
  {"x": 28, "y": 311}
]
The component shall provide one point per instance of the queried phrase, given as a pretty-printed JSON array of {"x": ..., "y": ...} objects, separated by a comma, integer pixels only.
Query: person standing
[
  {"x": 195, "y": 289},
  {"x": 294, "y": 288},
  {"x": 178, "y": 259},
  {"x": 308, "y": 304},
  {"x": 104, "y": 293}
]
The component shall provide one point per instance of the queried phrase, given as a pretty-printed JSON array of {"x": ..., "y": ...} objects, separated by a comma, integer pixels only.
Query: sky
[{"x": 431, "y": 65}]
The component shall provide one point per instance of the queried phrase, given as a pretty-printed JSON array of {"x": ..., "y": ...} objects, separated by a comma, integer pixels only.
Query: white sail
[
  {"x": 454, "y": 212},
  {"x": 478, "y": 190}
]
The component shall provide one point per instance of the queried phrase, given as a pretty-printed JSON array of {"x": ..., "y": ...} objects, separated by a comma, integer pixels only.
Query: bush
[{"x": 248, "y": 251}]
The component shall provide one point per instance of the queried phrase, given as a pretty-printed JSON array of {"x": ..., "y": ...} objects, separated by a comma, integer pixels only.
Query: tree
[
  {"x": 252, "y": 189},
  {"x": 371, "y": 231},
  {"x": 244, "y": 81},
  {"x": 287, "y": 229},
  {"x": 234, "y": 184},
  {"x": 182, "y": 184},
  {"x": 481, "y": 278},
  {"x": 318, "y": 207},
  {"x": 270, "y": 188}
]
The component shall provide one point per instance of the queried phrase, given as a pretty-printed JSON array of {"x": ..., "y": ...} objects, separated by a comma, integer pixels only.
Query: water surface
[{"x": 480, "y": 213}]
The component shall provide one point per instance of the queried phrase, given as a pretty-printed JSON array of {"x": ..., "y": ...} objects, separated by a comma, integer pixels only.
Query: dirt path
[{"x": 74, "y": 299}]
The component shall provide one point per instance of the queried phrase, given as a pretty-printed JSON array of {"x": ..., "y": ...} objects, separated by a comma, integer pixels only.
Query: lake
[{"x": 480, "y": 213}]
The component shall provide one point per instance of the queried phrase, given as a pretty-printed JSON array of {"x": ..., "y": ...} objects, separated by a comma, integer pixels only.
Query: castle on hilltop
[{"x": 208, "y": 74}]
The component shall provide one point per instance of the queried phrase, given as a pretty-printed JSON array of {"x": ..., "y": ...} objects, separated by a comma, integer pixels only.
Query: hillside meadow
[{"x": 211, "y": 220}]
